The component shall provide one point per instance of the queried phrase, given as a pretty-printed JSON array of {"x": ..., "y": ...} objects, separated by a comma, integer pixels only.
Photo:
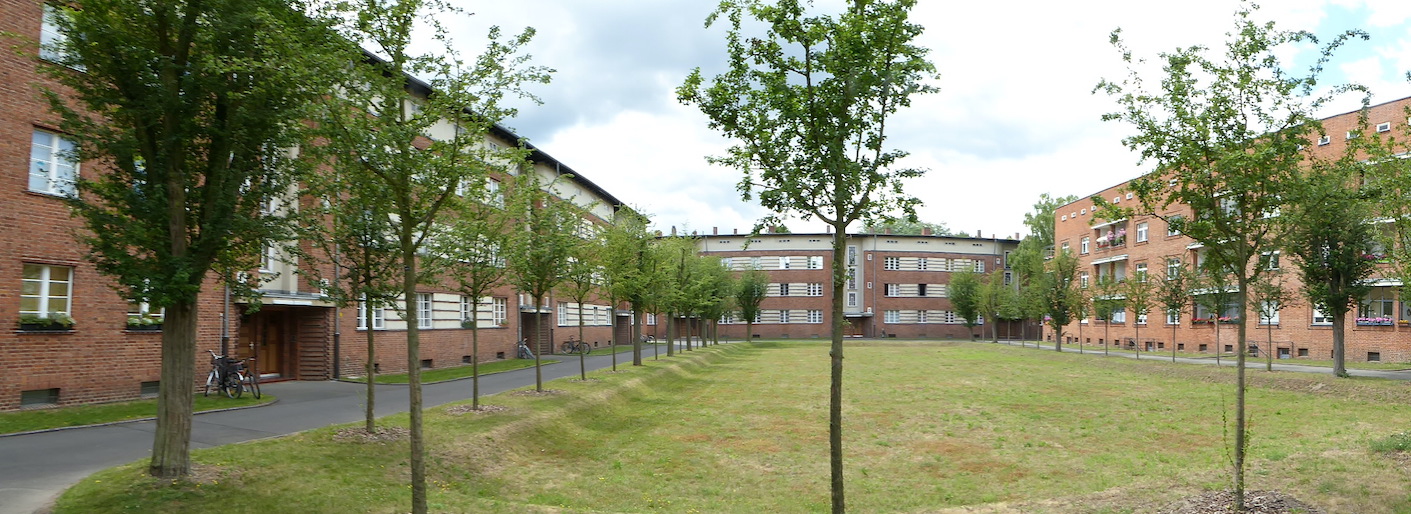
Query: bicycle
[
  {"x": 524, "y": 352},
  {"x": 224, "y": 376},
  {"x": 649, "y": 339},
  {"x": 573, "y": 345},
  {"x": 250, "y": 377}
]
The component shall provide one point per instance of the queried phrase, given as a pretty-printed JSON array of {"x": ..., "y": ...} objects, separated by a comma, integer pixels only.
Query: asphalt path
[{"x": 35, "y": 468}]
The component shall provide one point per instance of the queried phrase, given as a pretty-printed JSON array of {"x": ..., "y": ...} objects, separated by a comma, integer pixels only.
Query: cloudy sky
[{"x": 1014, "y": 118}]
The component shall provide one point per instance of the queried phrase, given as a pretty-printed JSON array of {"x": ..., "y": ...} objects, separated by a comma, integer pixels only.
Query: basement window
[
  {"x": 150, "y": 389},
  {"x": 465, "y": 359},
  {"x": 39, "y": 398},
  {"x": 426, "y": 364},
  {"x": 1384, "y": 127},
  {"x": 1374, "y": 356}
]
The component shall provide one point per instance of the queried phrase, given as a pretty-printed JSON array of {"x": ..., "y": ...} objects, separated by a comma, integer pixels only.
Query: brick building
[
  {"x": 1128, "y": 248},
  {"x": 296, "y": 334},
  {"x": 897, "y": 286}
]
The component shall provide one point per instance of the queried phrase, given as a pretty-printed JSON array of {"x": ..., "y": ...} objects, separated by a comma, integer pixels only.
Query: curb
[{"x": 135, "y": 420}]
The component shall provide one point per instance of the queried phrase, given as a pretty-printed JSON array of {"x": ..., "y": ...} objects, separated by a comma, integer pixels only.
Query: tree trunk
[
  {"x": 835, "y": 389},
  {"x": 370, "y": 418},
  {"x": 582, "y": 356},
  {"x": 171, "y": 446},
  {"x": 1137, "y": 335},
  {"x": 636, "y": 335},
  {"x": 539, "y": 344},
  {"x": 1269, "y": 359},
  {"x": 475, "y": 356},
  {"x": 1106, "y": 333},
  {"x": 1173, "y": 342},
  {"x": 749, "y": 331},
  {"x": 418, "y": 446},
  {"x": 1339, "y": 344},
  {"x": 1239, "y": 394},
  {"x": 670, "y": 334}
]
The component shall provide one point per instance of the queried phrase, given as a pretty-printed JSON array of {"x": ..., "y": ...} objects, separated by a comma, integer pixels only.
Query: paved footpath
[{"x": 35, "y": 468}]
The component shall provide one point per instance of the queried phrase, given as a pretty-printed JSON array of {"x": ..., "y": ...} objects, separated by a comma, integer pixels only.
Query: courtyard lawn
[{"x": 742, "y": 428}]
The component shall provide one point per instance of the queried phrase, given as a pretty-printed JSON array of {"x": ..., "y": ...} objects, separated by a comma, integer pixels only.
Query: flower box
[
  {"x": 1374, "y": 322},
  {"x": 54, "y": 322},
  {"x": 147, "y": 327}
]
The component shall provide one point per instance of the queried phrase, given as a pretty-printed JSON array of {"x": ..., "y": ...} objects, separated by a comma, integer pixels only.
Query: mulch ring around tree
[
  {"x": 458, "y": 410},
  {"x": 382, "y": 435},
  {"x": 1255, "y": 502}
]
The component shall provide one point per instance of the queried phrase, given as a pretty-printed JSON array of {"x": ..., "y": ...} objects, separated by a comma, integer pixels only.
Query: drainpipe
[
  {"x": 225, "y": 323},
  {"x": 337, "y": 327}
]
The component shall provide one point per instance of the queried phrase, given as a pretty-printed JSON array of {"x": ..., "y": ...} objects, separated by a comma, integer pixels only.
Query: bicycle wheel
[
  {"x": 584, "y": 348},
  {"x": 254, "y": 388},
  {"x": 232, "y": 386},
  {"x": 210, "y": 383},
  {"x": 566, "y": 348}
]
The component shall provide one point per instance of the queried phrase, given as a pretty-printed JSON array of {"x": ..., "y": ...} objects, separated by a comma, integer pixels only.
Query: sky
[{"x": 1015, "y": 116}]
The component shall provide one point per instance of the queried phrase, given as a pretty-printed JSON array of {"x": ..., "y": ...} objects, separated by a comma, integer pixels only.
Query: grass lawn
[
  {"x": 930, "y": 426},
  {"x": 79, "y": 415},
  {"x": 458, "y": 372},
  {"x": 1262, "y": 358}
]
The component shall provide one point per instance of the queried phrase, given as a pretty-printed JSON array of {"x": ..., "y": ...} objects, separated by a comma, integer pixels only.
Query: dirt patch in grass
[
  {"x": 546, "y": 392},
  {"x": 457, "y": 410},
  {"x": 381, "y": 435},
  {"x": 1255, "y": 502}
]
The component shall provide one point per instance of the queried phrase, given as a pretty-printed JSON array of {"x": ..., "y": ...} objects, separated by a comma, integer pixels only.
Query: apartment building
[
  {"x": 1125, "y": 249},
  {"x": 896, "y": 284},
  {"x": 112, "y": 349}
]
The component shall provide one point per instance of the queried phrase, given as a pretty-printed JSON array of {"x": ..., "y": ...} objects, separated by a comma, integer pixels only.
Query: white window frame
[
  {"x": 563, "y": 314},
  {"x": 815, "y": 262},
  {"x": 1118, "y": 316},
  {"x": 425, "y": 310},
  {"x": 1171, "y": 231},
  {"x": 53, "y": 168},
  {"x": 1142, "y": 232},
  {"x": 891, "y": 263},
  {"x": 1270, "y": 320},
  {"x": 815, "y": 289},
  {"x": 815, "y": 316},
  {"x": 1319, "y": 318},
  {"x": 921, "y": 263},
  {"x": 44, "y": 295},
  {"x": 499, "y": 310},
  {"x": 783, "y": 289},
  {"x": 891, "y": 289},
  {"x": 783, "y": 315},
  {"x": 783, "y": 263},
  {"x": 651, "y": 319},
  {"x": 466, "y": 308},
  {"x": 379, "y": 317},
  {"x": 1173, "y": 317},
  {"x": 1141, "y": 273},
  {"x": 50, "y": 37},
  {"x": 1083, "y": 246},
  {"x": 892, "y": 317}
]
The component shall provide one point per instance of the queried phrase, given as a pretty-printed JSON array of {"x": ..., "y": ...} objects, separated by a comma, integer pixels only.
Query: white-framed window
[
  {"x": 1083, "y": 280},
  {"x": 1171, "y": 223},
  {"x": 1119, "y": 316},
  {"x": 466, "y": 306},
  {"x": 815, "y": 262},
  {"x": 921, "y": 263},
  {"x": 979, "y": 266},
  {"x": 1384, "y": 127},
  {"x": 1173, "y": 268},
  {"x": 1142, "y": 231},
  {"x": 1380, "y": 303},
  {"x": 815, "y": 289},
  {"x": 52, "y": 169},
  {"x": 1319, "y": 318},
  {"x": 891, "y": 316},
  {"x": 379, "y": 317},
  {"x": 754, "y": 263},
  {"x": 1064, "y": 248},
  {"x": 139, "y": 310},
  {"x": 1083, "y": 246},
  {"x": 423, "y": 310},
  {"x": 727, "y": 263},
  {"x": 46, "y": 290},
  {"x": 651, "y": 319},
  {"x": 1173, "y": 317},
  {"x": 892, "y": 289},
  {"x": 815, "y": 316},
  {"x": 921, "y": 316},
  {"x": 1141, "y": 318},
  {"x": 1268, "y": 307},
  {"x": 783, "y": 289},
  {"x": 1141, "y": 273},
  {"x": 891, "y": 263},
  {"x": 563, "y": 314},
  {"x": 852, "y": 299},
  {"x": 783, "y": 263},
  {"x": 1270, "y": 260},
  {"x": 784, "y": 315},
  {"x": 1325, "y": 140},
  {"x": 50, "y": 38},
  {"x": 499, "y": 310}
]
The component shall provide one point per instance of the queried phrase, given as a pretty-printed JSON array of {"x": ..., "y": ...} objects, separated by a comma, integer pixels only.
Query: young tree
[
  {"x": 906, "y": 227},
  {"x": 1213, "y": 292},
  {"x": 382, "y": 137},
  {"x": 678, "y": 295},
  {"x": 471, "y": 255},
  {"x": 545, "y": 237},
  {"x": 1173, "y": 293},
  {"x": 809, "y": 103},
  {"x": 750, "y": 289},
  {"x": 1140, "y": 293},
  {"x": 1106, "y": 303},
  {"x": 1331, "y": 236},
  {"x": 1269, "y": 295},
  {"x": 965, "y": 298},
  {"x": 580, "y": 283},
  {"x": 1226, "y": 135},
  {"x": 993, "y": 296},
  {"x": 630, "y": 269},
  {"x": 721, "y": 286},
  {"x": 1063, "y": 300},
  {"x": 192, "y": 106}
]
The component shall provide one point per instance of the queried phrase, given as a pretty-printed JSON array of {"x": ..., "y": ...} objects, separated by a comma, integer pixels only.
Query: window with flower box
[{"x": 1378, "y": 309}]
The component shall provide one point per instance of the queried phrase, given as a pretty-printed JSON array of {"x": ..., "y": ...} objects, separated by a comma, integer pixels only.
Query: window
[
  {"x": 494, "y": 194},
  {"x": 1384, "y": 127},
  {"x": 1268, "y": 313},
  {"x": 921, "y": 263},
  {"x": 783, "y": 315},
  {"x": 891, "y": 316},
  {"x": 1173, "y": 268},
  {"x": 921, "y": 290},
  {"x": 815, "y": 316},
  {"x": 1064, "y": 247},
  {"x": 783, "y": 263},
  {"x": 979, "y": 266},
  {"x": 1269, "y": 260},
  {"x": 727, "y": 263},
  {"x": 1380, "y": 305},
  {"x": 1008, "y": 277},
  {"x": 1083, "y": 280},
  {"x": 51, "y": 166},
  {"x": 815, "y": 289},
  {"x": 423, "y": 310},
  {"x": 892, "y": 289},
  {"x": 1083, "y": 246},
  {"x": 1119, "y": 316},
  {"x": 783, "y": 289},
  {"x": 49, "y": 36},
  {"x": 465, "y": 308},
  {"x": 852, "y": 299},
  {"x": 499, "y": 311},
  {"x": 1374, "y": 356},
  {"x": 1324, "y": 140},
  {"x": 754, "y": 263},
  {"x": 1173, "y": 317},
  {"x": 815, "y": 262},
  {"x": 1141, "y": 273},
  {"x": 652, "y": 319},
  {"x": 46, "y": 290},
  {"x": 379, "y": 317},
  {"x": 563, "y": 314},
  {"x": 921, "y": 316},
  {"x": 1141, "y": 318},
  {"x": 143, "y": 310},
  {"x": 891, "y": 263},
  {"x": 1142, "y": 230},
  {"x": 1319, "y": 318},
  {"x": 1172, "y": 226}
]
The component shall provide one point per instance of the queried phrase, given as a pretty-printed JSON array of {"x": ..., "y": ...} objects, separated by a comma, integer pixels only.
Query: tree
[
  {"x": 1063, "y": 300},
  {"x": 721, "y": 285},
  {"x": 1173, "y": 293},
  {"x": 192, "y": 107},
  {"x": 471, "y": 255},
  {"x": 993, "y": 299},
  {"x": 1106, "y": 304},
  {"x": 965, "y": 298},
  {"x": 750, "y": 290},
  {"x": 629, "y": 268},
  {"x": 1226, "y": 135},
  {"x": 1213, "y": 292},
  {"x": 382, "y": 137},
  {"x": 1028, "y": 260},
  {"x": 1040, "y": 221},
  {"x": 1331, "y": 235},
  {"x": 1270, "y": 294},
  {"x": 808, "y": 104},
  {"x": 1140, "y": 295},
  {"x": 580, "y": 282},
  {"x": 546, "y": 236},
  {"x": 678, "y": 295},
  {"x": 906, "y": 228}
]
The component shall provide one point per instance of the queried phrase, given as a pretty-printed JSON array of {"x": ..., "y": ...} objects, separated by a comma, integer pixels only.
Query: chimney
[
  {"x": 737, "y": 231},
  {"x": 1016, "y": 235},
  {"x": 978, "y": 235},
  {"x": 673, "y": 231},
  {"x": 887, "y": 231},
  {"x": 925, "y": 231},
  {"x": 714, "y": 231}
]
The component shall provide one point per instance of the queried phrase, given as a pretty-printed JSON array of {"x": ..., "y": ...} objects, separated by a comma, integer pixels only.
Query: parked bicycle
[
  {"x": 223, "y": 376},
  {"x": 524, "y": 352},
  {"x": 649, "y": 339},
  {"x": 250, "y": 376},
  {"x": 573, "y": 345}
]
